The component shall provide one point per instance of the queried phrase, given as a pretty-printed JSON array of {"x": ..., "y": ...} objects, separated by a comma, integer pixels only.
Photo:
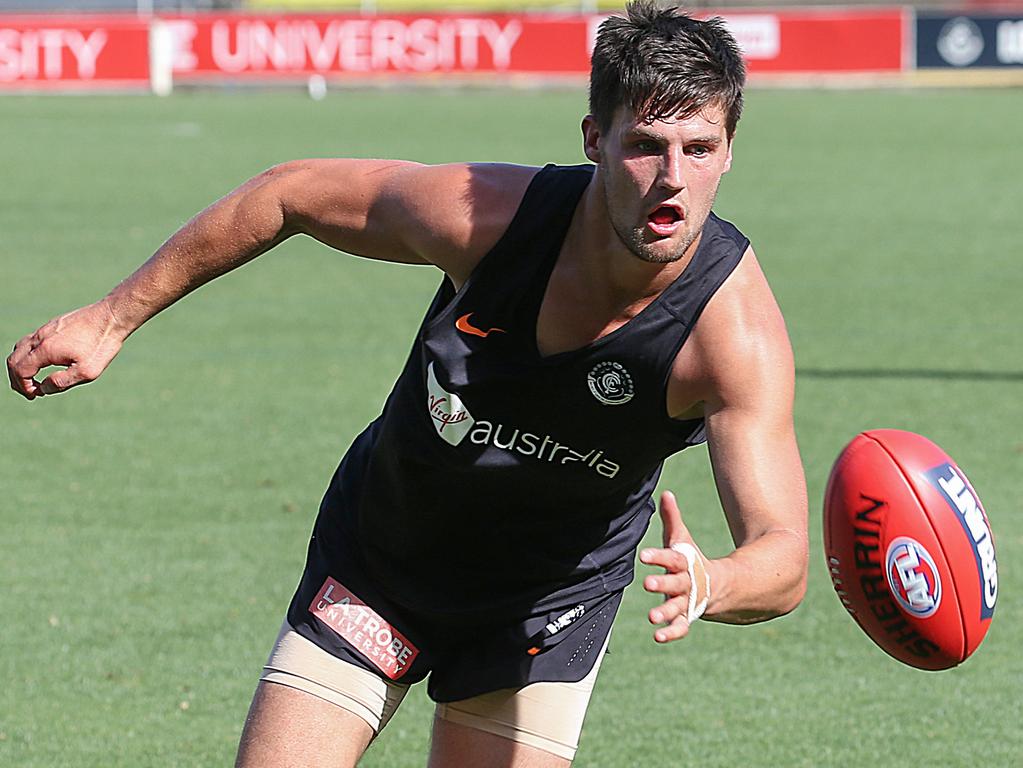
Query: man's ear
[
  {"x": 728, "y": 158},
  {"x": 591, "y": 139}
]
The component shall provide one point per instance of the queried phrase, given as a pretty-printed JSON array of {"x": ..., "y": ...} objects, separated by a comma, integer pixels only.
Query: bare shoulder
[
  {"x": 395, "y": 210},
  {"x": 460, "y": 210},
  {"x": 739, "y": 352}
]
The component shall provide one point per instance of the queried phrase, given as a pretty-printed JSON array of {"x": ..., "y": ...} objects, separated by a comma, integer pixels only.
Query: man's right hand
[
  {"x": 84, "y": 341},
  {"x": 445, "y": 215}
]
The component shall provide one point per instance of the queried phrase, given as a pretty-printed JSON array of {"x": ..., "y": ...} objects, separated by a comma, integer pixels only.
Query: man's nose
[{"x": 672, "y": 176}]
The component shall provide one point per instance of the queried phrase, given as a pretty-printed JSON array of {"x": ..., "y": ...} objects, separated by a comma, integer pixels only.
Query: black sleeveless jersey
[{"x": 498, "y": 481}]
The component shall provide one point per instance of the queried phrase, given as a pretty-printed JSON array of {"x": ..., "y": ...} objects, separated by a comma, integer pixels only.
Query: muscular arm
[
  {"x": 381, "y": 209},
  {"x": 448, "y": 215},
  {"x": 739, "y": 364},
  {"x": 760, "y": 481}
]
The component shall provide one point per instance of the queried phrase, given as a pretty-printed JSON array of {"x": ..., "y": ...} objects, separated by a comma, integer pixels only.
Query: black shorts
[{"x": 344, "y": 613}]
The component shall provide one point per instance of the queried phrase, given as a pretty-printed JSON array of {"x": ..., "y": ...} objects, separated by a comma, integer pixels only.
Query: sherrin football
[{"x": 910, "y": 549}]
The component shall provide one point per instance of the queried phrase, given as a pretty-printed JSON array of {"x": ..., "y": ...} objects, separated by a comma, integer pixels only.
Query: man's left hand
[{"x": 680, "y": 605}]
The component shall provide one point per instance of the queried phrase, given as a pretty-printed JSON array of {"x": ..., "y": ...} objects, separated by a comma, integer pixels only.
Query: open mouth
[{"x": 665, "y": 219}]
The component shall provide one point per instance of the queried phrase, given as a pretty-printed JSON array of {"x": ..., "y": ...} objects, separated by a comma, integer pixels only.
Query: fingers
[
  {"x": 22, "y": 367},
  {"x": 83, "y": 341},
  {"x": 669, "y": 610},
  {"x": 672, "y": 528},
  {"x": 61, "y": 381},
  {"x": 671, "y": 585},
  {"x": 31, "y": 355},
  {"x": 671, "y": 560},
  {"x": 672, "y": 614},
  {"x": 676, "y": 630},
  {"x": 682, "y": 563},
  {"x": 675, "y": 587}
]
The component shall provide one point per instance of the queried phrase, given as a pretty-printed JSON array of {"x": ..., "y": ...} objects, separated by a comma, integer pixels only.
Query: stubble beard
[{"x": 634, "y": 239}]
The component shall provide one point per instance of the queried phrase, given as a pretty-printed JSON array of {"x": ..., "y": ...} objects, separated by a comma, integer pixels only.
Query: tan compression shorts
[{"x": 548, "y": 716}]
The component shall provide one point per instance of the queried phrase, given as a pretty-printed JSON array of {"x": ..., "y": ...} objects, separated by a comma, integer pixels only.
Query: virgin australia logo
[
  {"x": 451, "y": 418},
  {"x": 454, "y": 423}
]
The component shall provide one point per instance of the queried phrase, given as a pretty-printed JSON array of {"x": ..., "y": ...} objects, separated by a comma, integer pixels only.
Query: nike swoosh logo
[{"x": 463, "y": 325}]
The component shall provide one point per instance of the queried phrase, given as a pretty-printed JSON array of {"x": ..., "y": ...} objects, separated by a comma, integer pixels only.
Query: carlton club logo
[
  {"x": 610, "y": 383},
  {"x": 960, "y": 42},
  {"x": 913, "y": 577}
]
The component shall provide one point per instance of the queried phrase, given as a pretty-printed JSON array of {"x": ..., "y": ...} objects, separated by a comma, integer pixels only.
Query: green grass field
[{"x": 154, "y": 523}]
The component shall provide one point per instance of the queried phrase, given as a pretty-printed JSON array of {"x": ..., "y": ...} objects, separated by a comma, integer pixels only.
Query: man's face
[{"x": 659, "y": 177}]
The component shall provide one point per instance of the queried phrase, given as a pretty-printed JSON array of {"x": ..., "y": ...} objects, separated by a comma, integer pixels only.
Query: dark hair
[{"x": 661, "y": 63}]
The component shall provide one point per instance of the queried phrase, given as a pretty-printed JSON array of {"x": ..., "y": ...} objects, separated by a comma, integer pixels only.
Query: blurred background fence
[
  {"x": 586, "y": 6},
  {"x": 159, "y": 44}
]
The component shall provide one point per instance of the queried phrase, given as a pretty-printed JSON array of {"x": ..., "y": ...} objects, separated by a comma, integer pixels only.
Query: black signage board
[{"x": 968, "y": 40}]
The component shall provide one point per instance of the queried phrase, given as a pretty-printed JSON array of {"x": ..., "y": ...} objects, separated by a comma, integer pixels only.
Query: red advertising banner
[
  {"x": 90, "y": 52},
  {"x": 271, "y": 46},
  {"x": 822, "y": 40},
  {"x": 290, "y": 46},
  {"x": 115, "y": 51}
]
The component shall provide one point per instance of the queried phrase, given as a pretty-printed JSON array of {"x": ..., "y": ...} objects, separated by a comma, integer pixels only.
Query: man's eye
[
  {"x": 647, "y": 146},
  {"x": 698, "y": 150}
]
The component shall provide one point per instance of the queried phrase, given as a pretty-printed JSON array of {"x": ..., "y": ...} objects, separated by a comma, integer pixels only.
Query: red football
[{"x": 909, "y": 548}]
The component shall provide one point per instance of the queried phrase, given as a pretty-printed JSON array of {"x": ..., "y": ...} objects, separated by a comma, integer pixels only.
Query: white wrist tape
[{"x": 696, "y": 605}]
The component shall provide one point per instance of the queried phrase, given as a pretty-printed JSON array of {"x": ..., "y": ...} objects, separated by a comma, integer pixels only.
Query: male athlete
[{"x": 592, "y": 321}]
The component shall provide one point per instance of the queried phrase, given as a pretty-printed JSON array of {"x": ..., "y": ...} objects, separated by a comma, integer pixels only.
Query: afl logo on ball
[
  {"x": 610, "y": 383},
  {"x": 912, "y": 577}
]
